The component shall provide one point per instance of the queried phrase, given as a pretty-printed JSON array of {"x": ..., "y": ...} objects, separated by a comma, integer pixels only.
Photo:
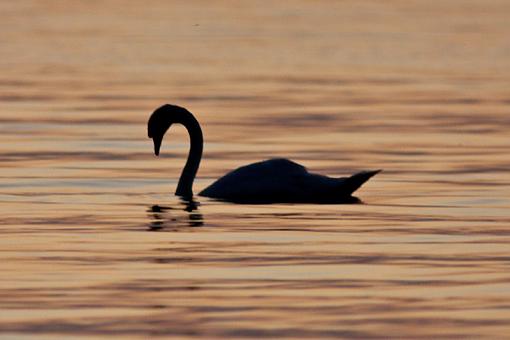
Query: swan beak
[{"x": 157, "y": 145}]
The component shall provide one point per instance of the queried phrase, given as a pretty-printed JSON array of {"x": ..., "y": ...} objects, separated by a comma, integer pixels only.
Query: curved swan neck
[{"x": 185, "y": 186}]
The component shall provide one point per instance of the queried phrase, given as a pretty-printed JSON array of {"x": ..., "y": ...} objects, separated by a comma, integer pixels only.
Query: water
[{"x": 94, "y": 244}]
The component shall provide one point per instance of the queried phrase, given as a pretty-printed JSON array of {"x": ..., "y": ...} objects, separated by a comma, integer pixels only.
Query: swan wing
[
  {"x": 281, "y": 180},
  {"x": 259, "y": 182}
]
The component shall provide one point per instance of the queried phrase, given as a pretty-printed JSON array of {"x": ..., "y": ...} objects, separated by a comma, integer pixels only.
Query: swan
[{"x": 271, "y": 181}]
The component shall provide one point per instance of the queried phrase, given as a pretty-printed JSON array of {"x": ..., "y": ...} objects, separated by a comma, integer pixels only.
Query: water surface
[{"x": 94, "y": 244}]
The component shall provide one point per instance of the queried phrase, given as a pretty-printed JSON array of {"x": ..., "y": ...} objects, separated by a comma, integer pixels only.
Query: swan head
[{"x": 161, "y": 120}]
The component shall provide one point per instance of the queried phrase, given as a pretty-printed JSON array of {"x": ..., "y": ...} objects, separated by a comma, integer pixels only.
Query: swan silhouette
[{"x": 271, "y": 181}]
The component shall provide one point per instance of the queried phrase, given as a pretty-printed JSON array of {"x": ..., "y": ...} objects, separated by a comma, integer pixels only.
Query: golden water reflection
[{"x": 93, "y": 243}]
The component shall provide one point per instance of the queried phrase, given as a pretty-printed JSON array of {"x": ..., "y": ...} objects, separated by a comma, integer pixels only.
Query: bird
[{"x": 276, "y": 180}]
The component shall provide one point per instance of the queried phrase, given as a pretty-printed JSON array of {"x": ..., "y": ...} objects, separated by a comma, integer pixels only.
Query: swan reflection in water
[{"x": 163, "y": 218}]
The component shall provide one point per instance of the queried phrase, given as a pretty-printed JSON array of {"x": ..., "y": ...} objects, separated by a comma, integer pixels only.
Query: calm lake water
[{"x": 93, "y": 243}]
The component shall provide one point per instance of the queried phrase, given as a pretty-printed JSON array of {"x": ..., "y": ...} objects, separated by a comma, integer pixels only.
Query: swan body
[
  {"x": 272, "y": 181},
  {"x": 282, "y": 180}
]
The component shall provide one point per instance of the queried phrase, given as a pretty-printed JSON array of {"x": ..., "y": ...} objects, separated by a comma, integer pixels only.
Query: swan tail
[{"x": 353, "y": 183}]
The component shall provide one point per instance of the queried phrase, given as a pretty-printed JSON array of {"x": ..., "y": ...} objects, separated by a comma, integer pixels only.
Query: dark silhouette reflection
[
  {"x": 272, "y": 181},
  {"x": 336, "y": 200},
  {"x": 162, "y": 218}
]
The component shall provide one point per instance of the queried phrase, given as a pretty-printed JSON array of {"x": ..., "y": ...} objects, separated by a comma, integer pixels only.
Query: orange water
[{"x": 94, "y": 244}]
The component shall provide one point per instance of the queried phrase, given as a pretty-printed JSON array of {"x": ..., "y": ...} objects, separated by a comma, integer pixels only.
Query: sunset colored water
[{"x": 94, "y": 244}]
